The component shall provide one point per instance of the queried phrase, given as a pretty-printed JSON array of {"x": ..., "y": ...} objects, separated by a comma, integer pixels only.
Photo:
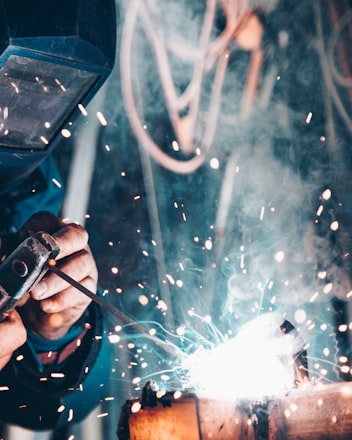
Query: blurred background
[{"x": 213, "y": 173}]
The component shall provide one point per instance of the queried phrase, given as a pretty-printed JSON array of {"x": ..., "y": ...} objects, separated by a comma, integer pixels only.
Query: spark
[
  {"x": 57, "y": 375},
  {"x": 293, "y": 407},
  {"x": 287, "y": 413},
  {"x": 177, "y": 395},
  {"x": 165, "y": 378},
  {"x": 214, "y": 163},
  {"x": 261, "y": 215},
  {"x": 82, "y": 109},
  {"x": 102, "y": 119},
  {"x": 242, "y": 261},
  {"x": 326, "y": 194},
  {"x": 160, "y": 394},
  {"x": 162, "y": 305},
  {"x": 342, "y": 328},
  {"x": 334, "y": 225},
  {"x": 136, "y": 406},
  {"x": 114, "y": 339},
  {"x": 314, "y": 297},
  {"x": 56, "y": 182},
  {"x": 279, "y": 256},
  {"x": 175, "y": 146},
  {"x": 102, "y": 415},
  {"x": 309, "y": 117},
  {"x": 320, "y": 210},
  {"x": 300, "y": 316},
  {"x": 180, "y": 331},
  {"x": 143, "y": 300},
  {"x": 170, "y": 279},
  {"x": 62, "y": 87},
  {"x": 328, "y": 288},
  {"x": 15, "y": 87},
  {"x": 66, "y": 133},
  {"x": 208, "y": 244}
]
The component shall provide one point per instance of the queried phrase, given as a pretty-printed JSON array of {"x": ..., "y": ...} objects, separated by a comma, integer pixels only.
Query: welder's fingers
[
  {"x": 61, "y": 312},
  {"x": 70, "y": 238},
  {"x": 12, "y": 335},
  {"x": 70, "y": 302},
  {"x": 79, "y": 266}
]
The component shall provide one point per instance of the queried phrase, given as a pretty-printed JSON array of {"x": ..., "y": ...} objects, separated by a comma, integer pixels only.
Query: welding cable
[{"x": 113, "y": 310}]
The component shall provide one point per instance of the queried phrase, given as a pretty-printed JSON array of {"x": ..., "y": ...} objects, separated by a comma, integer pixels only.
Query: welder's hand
[
  {"x": 12, "y": 335},
  {"x": 54, "y": 306}
]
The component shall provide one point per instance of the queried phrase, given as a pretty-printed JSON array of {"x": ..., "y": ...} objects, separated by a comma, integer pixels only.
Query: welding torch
[{"x": 22, "y": 270}]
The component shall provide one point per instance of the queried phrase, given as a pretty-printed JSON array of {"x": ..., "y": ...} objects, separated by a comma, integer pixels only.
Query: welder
[{"x": 53, "y": 350}]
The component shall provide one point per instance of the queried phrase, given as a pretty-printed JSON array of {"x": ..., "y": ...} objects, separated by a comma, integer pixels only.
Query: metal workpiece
[{"x": 310, "y": 413}]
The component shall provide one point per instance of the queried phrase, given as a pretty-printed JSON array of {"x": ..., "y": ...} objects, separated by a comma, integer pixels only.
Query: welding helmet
[{"x": 54, "y": 55}]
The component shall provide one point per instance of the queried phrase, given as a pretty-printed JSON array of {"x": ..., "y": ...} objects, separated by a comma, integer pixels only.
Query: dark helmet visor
[
  {"x": 35, "y": 98},
  {"x": 54, "y": 56}
]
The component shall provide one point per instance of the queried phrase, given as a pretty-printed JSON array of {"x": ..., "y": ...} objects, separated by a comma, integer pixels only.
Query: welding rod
[{"x": 113, "y": 310}]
